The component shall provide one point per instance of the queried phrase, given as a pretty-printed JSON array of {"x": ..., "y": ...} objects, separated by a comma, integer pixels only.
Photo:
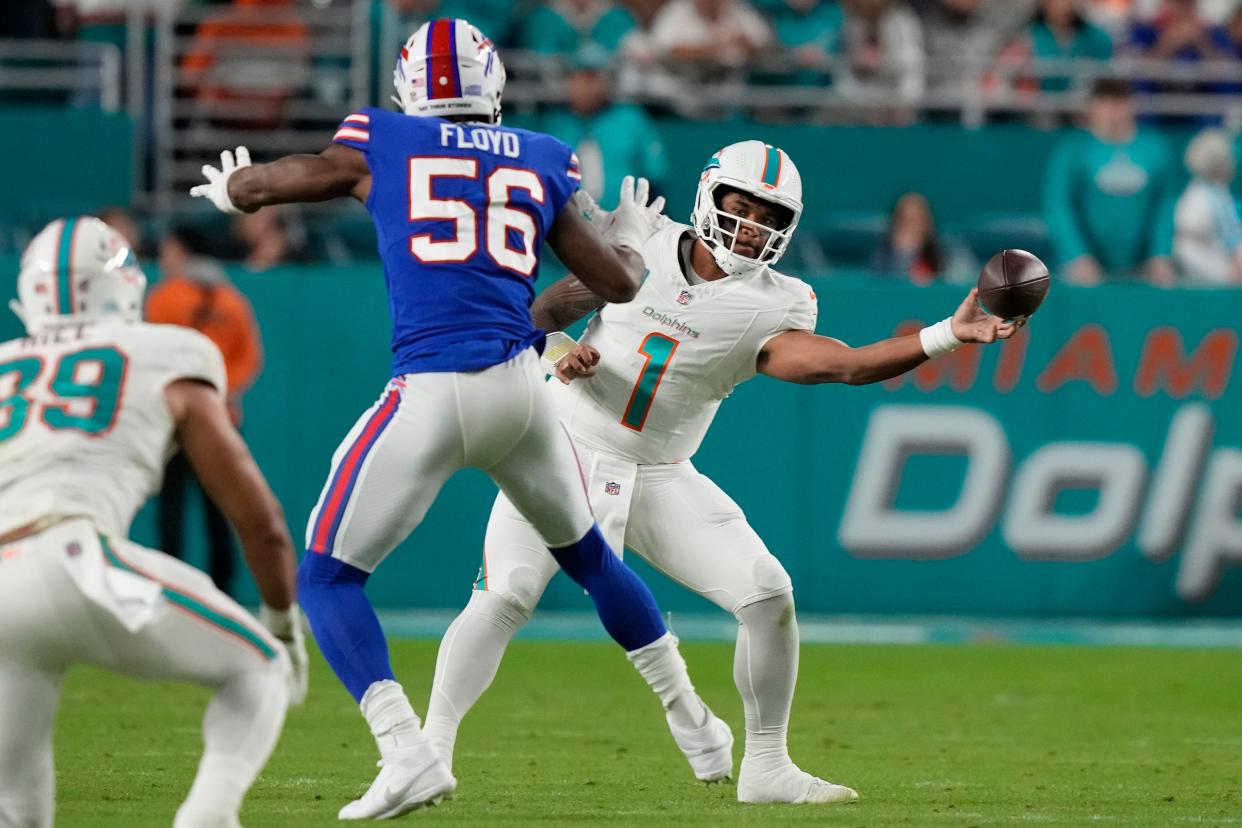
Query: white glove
[
  {"x": 216, "y": 190},
  {"x": 634, "y": 221},
  {"x": 591, "y": 211},
  {"x": 286, "y": 626}
]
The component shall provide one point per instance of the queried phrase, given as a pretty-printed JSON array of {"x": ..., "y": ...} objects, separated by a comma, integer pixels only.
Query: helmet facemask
[{"x": 720, "y": 230}]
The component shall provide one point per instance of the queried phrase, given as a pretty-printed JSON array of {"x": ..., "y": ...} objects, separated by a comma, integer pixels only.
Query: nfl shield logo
[
  {"x": 684, "y": 297},
  {"x": 612, "y": 488}
]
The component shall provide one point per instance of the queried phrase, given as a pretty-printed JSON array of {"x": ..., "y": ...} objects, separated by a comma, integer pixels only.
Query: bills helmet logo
[
  {"x": 684, "y": 297},
  {"x": 612, "y": 488}
]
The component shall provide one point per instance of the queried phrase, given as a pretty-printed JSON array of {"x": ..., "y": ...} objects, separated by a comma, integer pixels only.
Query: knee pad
[
  {"x": 770, "y": 576},
  {"x": 501, "y": 608},
  {"x": 524, "y": 588}
]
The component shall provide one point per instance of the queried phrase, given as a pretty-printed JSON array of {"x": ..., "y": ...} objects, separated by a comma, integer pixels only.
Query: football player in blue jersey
[{"x": 461, "y": 207}]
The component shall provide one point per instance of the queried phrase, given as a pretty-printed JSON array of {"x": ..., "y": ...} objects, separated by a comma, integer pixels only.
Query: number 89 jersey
[
  {"x": 669, "y": 357},
  {"x": 84, "y": 427}
]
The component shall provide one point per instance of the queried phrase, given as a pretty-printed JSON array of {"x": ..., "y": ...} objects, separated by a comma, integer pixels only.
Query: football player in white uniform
[
  {"x": 91, "y": 402},
  {"x": 640, "y": 391}
]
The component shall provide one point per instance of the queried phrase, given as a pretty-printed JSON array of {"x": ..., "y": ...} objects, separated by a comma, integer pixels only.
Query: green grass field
[{"x": 929, "y": 735}]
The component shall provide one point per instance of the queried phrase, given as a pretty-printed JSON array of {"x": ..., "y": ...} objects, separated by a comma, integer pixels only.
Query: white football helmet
[
  {"x": 759, "y": 170},
  {"x": 78, "y": 269},
  {"x": 449, "y": 67}
]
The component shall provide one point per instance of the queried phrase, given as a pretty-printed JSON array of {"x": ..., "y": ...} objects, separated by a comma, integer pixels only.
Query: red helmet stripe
[{"x": 443, "y": 80}]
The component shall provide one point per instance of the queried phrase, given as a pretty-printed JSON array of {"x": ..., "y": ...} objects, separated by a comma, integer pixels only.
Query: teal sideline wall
[
  {"x": 789, "y": 454},
  {"x": 60, "y": 161}
]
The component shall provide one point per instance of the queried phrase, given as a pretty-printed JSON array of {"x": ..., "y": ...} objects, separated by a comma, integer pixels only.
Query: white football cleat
[
  {"x": 708, "y": 749},
  {"x": 406, "y": 781},
  {"x": 789, "y": 783}
]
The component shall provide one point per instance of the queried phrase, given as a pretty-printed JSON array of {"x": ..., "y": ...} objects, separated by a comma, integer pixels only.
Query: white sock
[
  {"x": 393, "y": 722},
  {"x": 469, "y": 657},
  {"x": 765, "y": 670},
  {"x": 661, "y": 664},
  {"x": 240, "y": 728}
]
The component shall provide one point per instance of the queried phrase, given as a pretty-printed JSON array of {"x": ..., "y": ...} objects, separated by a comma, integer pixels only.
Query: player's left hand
[
  {"x": 580, "y": 362},
  {"x": 971, "y": 323},
  {"x": 286, "y": 627},
  {"x": 216, "y": 190}
]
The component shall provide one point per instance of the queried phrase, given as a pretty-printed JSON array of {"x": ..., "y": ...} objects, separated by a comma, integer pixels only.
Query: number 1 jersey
[
  {"x": 461, "y": 211},
  {"x": 84, "y": 427},
  {"x": 669, "y": 357}
]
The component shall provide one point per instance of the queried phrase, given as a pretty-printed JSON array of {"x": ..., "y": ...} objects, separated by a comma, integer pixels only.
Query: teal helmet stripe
[
  {"x": 772, "y": 167},
  {"x": 64, "y": 267}
]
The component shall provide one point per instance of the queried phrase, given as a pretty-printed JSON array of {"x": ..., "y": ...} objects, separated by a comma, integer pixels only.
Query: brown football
[{"x": 1013, "y": 284}]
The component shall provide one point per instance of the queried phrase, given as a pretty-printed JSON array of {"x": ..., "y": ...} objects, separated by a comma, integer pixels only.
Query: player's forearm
[
  {"x": 268, "y": 551},
  {"x": 820, "y": 362},
  {"x": 292, "y": 179},
  {"x": 563, "y": 304},
  {"x": 884, "y": 360}
]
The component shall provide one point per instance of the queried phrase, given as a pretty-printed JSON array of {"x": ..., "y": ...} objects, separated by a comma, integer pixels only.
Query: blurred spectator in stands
[
  {"x": 810, "y": 31},
  {"x": 1179, "y": 33},
  {"x": 195, "y": 292},
  {"x": 245, "y": 63},
  {"x": 883, "y": 44},
  {"x": 912, "y": 247},
  {"x": 696, "y": 56},
  {"x": 1207, "y": 243},
  {"x": 1176, "y": 32},
  {"x": 1109, "y": 193},
  {"x": 267, "y": 239},
  {"x": 709, "y": 33},
  {"x": 959, "y": 41},
  {"x": 28, "y": 19},
  {"x": 612, "y": 139},
  {"x": 1060, "y": 31},
  {"x": 122, "y": 221},
  {"x": 562, "y": 27},
  {"x": 1228, "y": 35}
]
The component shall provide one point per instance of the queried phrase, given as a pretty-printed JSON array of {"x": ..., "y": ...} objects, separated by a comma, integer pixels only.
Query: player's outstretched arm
[
  {"x": 564, "y": 302},
  {"x": 803, "y": 357},
  {"x": 230, "y": 477},
  {"x": 241, "y": 187},
  {"x": 613, "y": 273}
]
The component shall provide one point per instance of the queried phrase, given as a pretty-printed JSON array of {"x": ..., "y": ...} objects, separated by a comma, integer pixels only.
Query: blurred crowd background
[{"x": 1100, "y": 134}]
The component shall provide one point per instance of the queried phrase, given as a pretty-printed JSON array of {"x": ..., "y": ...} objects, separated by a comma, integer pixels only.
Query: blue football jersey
[{"x": 461, "y": 211}]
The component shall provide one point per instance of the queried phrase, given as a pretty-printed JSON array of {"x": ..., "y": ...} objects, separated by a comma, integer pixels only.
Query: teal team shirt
[
  {"x": 1112, "y": 201},
  {"x": 547, "y": 32},
  {"x": 1088, "y": 43}
]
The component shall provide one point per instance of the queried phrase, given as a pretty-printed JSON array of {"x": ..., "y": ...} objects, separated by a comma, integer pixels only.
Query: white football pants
[
  {"x": 68, "y": 595},
  {"x": 676, "y": 519},
  {"x": 425, "y": 427}
]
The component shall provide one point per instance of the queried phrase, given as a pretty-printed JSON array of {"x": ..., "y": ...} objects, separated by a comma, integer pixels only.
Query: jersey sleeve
[
  {"x": 355, "y": 130},
  {"x": 563, "y": 175},
  {"x": 178, "y": 353},
  {"x": 801, "y": 315}
]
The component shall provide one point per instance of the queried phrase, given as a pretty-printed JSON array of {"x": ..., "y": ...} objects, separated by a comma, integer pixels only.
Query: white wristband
[{"x": 938, "y": 340}]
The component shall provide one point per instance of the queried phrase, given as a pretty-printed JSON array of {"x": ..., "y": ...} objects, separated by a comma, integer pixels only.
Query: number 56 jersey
[
  {"x": 84, "y": 427},
  {"x": 672, "y": 354}
]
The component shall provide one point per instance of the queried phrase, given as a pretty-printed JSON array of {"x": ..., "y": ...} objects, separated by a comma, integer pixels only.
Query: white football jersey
[
  {"x": 672, "y": 354},
  {"x": 84, "y": 428}
]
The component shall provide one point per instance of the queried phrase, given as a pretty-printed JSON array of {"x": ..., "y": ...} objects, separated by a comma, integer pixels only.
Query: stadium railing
[{"x": 55, "y": 72}]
